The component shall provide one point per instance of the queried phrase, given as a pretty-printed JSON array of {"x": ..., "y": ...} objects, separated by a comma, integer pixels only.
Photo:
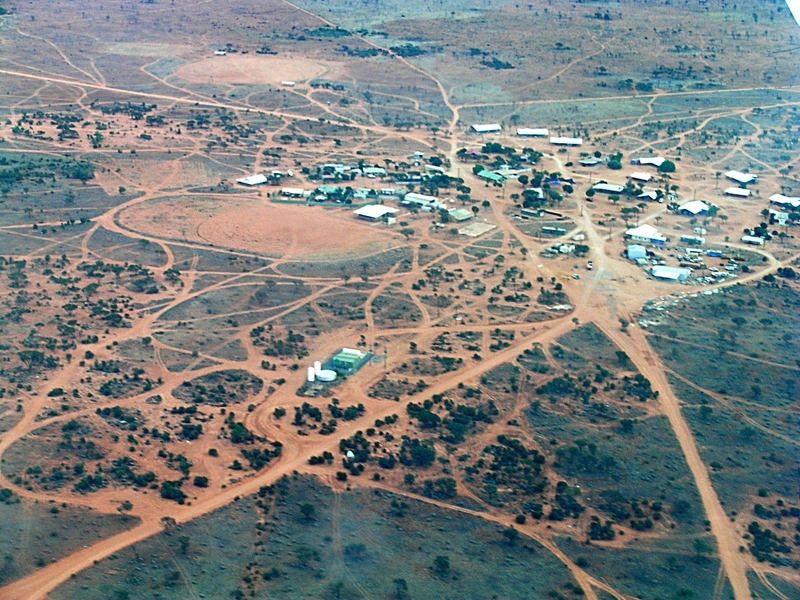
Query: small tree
[
  {"x": 441, "y": 565},
  {"x": 666, "y": 167},
  {"x": 308, "y": 511}
]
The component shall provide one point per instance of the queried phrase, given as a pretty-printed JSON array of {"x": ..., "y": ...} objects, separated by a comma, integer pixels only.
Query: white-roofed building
[
  {"x": 779, "y": 217},
  {"x": 486, "y": 128},
  {"x": 294, "y": 192},
  {"x": 785, "y": 201},
  {"x": 421, "y": 201},
  {"x": 650, "y": 195},
  {"x": 566, "y": 141},
  {"x": 635, "y": 252},
  {"x": 653, "y": 161},
  {"x": 639, "y": 176},
  {"x": 752, "y": 240},
  {"x": 646, "y": 233},
  {"x": 589, "y": 161},
  {"x": 670, "y": 273},
  {"x": 694, "y": 208},
  {"x": 738, "y": 192},
  {"x": 252, "y": 180},
  {"x": 739, "y": 177},
  {"x": 374, "y": 212},
  {"x": 525, "y": 132},
  {"x": 608, "y": 188}
]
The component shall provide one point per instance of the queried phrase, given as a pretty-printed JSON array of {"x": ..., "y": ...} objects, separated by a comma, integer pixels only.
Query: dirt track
[{"x": 602, "y": 297}]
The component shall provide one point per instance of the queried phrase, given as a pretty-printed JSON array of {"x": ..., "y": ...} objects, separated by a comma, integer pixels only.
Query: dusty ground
[{"x": 248, "y": 226}]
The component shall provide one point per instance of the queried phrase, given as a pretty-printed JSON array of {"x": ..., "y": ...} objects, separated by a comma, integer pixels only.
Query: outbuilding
[
  {"x": 566, "y": 141},
  {"x": 635, "y": 252},
  {"x": 460, "y": 214},
  {"x": 486, "y": 128},
  {"x": 752, "y": 240},
  {"x": 639, "y": 176},
  {"x": 739, "y": 177},
  {"x": 524, "y": 132},
  {"x": 653, "y": 161},
  {"x": 738, "y": 192},
  {"x": 646, "y": 233},
  {"x": 694, "y": 208},
  {"x": 785, "y": 201},
  {"x": 608, "y": 188},
  {"x": 374, "y": 212},
  {"x": 294, "y": 193},
  {"x": 670, "y": 273},
  {"x": 421, "y": 201},
  {"x": 492, "y": 177},
  {"x": 589, "y": 161},
  {"x": 649, "y": 195},
  {"x": 252, "y": 180}
]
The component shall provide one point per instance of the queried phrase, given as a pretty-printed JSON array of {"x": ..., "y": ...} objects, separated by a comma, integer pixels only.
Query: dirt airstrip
[{"x": 238, "y": 69}]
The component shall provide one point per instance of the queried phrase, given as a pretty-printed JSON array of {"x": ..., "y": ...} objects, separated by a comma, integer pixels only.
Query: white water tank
[
  {"x": 311, "y": 374},
  {"x": 317, "y": 367},
  {"x": 326, "y": 375}
]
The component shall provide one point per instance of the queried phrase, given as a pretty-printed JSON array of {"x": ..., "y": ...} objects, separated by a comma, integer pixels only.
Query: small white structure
[
  {"x": 739, "y": 177},
  {"x": 294, "y": 193},
  {"x": 781, "y": 218},
  {"x": 646, "y": 233},
  {"x": 694, "y": 208},
  {"x": 288, "y": 83},
  {"x": 650, "y": 195},
  {"x": 608, "y": 188},
  {"x": 524, "y": 132},
  {"x": 589, "y": 161},
  {"x": 653, "y": 161},
  {"x": 374, "y": 212},
  {"x": 752, "y": 240},
  {"x": 220, "y": 53},
  {"x": 486, "y": 128},
  {"x": 635, "y": 251},
  {"x": 253, "y": 180},
  {"x": 670, "y": 273},
  {"x": 566, "y": 141},
  {"x": 738, "y": 192},
  {"x": 311, "y": 375},
  {"x": 639, "y": 176}
]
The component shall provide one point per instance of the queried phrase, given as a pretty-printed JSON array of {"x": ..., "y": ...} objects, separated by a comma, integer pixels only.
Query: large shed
[
  {"x": 374, "y": 212},
  {"x": 486, "y": 128},
  {"x": 670, "y": 273},
  {"x": 526, "y": 132},
  {"x": 739, "y": 177},
  {"x": 566, "y": 141},
  {"x": 252, "y": 180}
]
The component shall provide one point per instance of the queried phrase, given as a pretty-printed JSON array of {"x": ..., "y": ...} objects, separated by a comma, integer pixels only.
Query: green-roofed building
[
  {"x": 491, "y": 176},
  {"x": 348, "y": 360}
]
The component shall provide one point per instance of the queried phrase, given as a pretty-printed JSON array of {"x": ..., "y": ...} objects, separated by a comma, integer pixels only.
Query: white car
[{"x": 589, "y": 266}]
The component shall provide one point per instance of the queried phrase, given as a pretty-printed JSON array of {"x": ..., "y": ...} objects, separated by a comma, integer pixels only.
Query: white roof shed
[
  {"x": 525, "y": 132},
  {"x": 740, "y": 177},
  {"x": 252, "y": 180},
  {"x": 374, "y": 212},
  {"x": 739, "y": 192},
  {"x": 486, "y": 128}
]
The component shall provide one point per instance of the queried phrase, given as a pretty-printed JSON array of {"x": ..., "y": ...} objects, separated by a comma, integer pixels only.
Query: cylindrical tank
[
  {"x": 326, "y": 375},
  {"x": 311, "y": 374},
  {"x": 317, "y": 367}
]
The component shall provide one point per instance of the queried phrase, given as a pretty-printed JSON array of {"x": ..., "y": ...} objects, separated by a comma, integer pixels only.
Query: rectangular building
[
  {"x": 486, "y": 128},
  {"x": 566, "y": 141},
  {"x": 524, "y": 132}
]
